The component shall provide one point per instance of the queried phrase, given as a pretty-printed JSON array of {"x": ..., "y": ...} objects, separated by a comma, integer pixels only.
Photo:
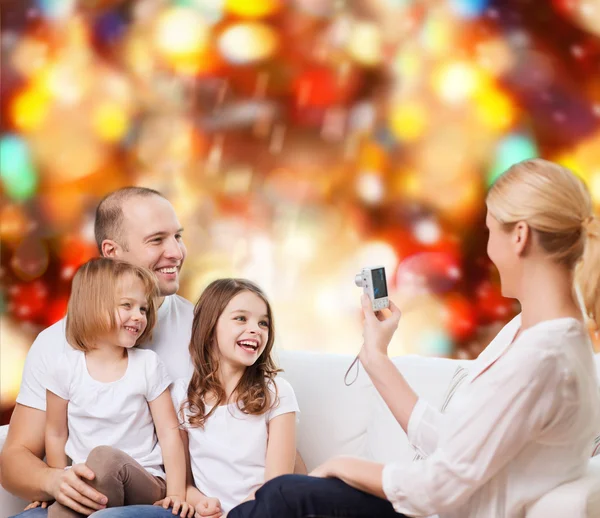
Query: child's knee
[{"x": 104, "y": 460}]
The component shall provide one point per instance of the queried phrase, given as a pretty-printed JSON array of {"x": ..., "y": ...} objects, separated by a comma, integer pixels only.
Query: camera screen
[{"x": 379, "y": 284}]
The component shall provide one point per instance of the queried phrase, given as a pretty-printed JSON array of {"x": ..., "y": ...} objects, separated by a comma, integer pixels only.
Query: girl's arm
[
  {"x": 281, "y": 446},
  {"x": 167, "y": 431},
  {"x": 57, "y": 430},
  {"x": 192, "y": 495}
]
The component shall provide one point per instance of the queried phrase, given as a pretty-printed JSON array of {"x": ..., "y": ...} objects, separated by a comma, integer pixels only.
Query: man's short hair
[{"x": 109, "y": 214}]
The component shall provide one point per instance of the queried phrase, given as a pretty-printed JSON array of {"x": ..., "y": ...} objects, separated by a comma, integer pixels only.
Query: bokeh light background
[{"x": 298, "y": 140}]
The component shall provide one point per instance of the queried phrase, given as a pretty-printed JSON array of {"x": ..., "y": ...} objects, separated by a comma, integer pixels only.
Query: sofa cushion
[{"x": 333, "y": 416}]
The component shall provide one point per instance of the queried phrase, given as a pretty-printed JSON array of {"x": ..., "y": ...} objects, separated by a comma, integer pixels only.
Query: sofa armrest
[
  {"x": 9, "y": 504},
  {"x": 577, "y": 499}
]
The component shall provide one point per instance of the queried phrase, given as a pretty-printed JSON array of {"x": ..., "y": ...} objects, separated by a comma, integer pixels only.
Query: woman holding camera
[{"x": 523, "y": 421}]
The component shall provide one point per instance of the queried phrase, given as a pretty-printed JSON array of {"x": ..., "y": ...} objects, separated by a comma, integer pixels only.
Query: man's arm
[
  {"x": 23, "y": 471},
  {"x": 27, "y": 476},
  {"x": 57, "y": 430}
]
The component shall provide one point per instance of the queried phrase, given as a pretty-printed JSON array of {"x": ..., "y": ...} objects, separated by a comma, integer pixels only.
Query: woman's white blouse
[{"x": 522, "y": 423}]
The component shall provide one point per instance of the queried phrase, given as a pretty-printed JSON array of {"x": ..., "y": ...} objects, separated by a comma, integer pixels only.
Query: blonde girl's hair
[{"x": 93, "y": 300}]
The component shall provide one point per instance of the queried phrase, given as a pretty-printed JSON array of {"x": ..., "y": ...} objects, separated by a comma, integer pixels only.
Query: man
[{"x": 140, "y": 226}]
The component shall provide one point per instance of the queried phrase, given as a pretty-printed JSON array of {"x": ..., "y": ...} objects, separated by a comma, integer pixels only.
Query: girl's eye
[
  {"x": 126, "y": 305},
  {"x": 241, "y": 318},
  {"x": 143, "y": 309},
  {"x": 264, "y": 323}
]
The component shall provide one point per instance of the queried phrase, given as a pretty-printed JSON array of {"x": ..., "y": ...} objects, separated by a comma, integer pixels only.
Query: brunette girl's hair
[{"x": 252, "y": 394}]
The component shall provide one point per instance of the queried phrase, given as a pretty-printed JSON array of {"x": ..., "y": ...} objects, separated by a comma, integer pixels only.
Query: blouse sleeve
[{"x": 503, "y": 410}]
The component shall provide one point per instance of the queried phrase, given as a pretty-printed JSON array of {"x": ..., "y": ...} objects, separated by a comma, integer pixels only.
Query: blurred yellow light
[
  {"x": 495, "y": 109},
  {"x": 437, "y": 35},
  {"x": 408, "y": 121},
  {"x": 253, "y": 8},
  {"x": 411, "y": 185},
  {"x": 13, "y": 351},
  {"x": 365, "y": 44},
  {"x": 457, "y": 82},
  {"x": 408, "y": 65},
  {"x": 30, "y": 108},
  {"x": 594, "y": 185},
  {"x": 570, "y": 161},
  {"x": 248, "y": 42},
  {"x": 182, "y": 37},
  {"x": 110, "y": 121}
]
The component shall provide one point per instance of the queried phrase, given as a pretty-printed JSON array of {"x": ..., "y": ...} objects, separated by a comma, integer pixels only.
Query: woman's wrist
[{"x": 371, "y": 358}]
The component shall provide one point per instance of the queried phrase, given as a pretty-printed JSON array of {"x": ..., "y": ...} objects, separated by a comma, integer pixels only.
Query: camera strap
[{"x": 349, "y": 369}]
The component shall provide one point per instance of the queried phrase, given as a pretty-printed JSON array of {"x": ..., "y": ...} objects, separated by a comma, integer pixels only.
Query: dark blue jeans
[{"x": 300, "y": 496}]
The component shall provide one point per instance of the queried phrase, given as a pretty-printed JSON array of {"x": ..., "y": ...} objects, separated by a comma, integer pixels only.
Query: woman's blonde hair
[
  {"x": 252, "y": 393},
  {"x": 557, "y": 207},
  {"x": 93, "y": 300}
]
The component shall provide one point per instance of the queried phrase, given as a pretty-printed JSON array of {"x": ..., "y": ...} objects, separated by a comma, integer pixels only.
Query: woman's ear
[{"x": 522, "y": 237}]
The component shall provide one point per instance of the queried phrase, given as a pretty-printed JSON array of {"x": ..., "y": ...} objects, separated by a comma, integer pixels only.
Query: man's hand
[
  {"x": 69, "y": 488},
  {"x": 208, "y": 508}
]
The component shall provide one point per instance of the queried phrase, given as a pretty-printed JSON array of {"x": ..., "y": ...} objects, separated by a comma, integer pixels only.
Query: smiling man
[{"x": 140, "y": 226}]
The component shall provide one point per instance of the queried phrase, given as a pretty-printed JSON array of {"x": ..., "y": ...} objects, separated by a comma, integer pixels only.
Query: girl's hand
[
  {"x": 208, "y": 508},
  {"x": 378, "y": 328},
  {"x": 180, "y": 507},
  {"x": 37, "y": 503}
]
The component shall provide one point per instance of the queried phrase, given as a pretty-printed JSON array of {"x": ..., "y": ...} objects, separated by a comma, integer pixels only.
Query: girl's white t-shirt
[
  {"x": 111, "y": 414},
  {"x": 228, "y": 455}
]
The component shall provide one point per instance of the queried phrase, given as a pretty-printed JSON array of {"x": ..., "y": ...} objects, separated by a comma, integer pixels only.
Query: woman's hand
[
  {"x": 331, "y": 468},
  {"x": 378, "y": 328},
  {"x": 180, "y": 506}
]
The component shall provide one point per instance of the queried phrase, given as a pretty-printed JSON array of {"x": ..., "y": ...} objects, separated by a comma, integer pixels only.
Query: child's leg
[{"x": 122, "y": 479}]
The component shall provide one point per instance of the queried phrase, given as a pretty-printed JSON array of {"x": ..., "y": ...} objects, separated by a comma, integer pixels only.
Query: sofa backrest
[{"x": 336, "y": 419}]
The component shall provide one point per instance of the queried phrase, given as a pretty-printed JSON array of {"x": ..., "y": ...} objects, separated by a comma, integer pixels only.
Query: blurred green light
[
  {"x": 512, "y": 149},
  {"x": 16, "y": 169}
]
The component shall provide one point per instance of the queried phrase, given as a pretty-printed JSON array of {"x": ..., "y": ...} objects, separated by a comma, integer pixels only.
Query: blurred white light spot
[
  {"x": 427, "y": 232},
  {"x": 369, "y": 186}
]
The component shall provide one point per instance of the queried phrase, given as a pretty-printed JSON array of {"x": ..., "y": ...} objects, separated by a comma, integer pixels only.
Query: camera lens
[{"x": 358, "y": 280}]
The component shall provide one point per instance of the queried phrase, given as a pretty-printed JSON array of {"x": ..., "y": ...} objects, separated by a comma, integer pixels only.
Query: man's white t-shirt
[
  {"x": 228, "y": 455},
  {"x": 114, "y": 413},
  {"x": 170, "y": 340}
]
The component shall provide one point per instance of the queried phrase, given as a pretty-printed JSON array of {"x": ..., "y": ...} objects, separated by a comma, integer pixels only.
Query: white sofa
[{"x": 336, "y": 419}]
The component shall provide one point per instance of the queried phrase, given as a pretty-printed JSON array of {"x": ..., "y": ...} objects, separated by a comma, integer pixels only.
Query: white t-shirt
[
  {"x": 114, "y": 413},
  {"x": 228, "y": 455},
  {"x": 170, "y": 340}
]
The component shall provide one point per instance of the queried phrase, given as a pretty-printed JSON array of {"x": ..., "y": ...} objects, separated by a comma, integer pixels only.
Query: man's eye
[{"x": 157, "y": 240}]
